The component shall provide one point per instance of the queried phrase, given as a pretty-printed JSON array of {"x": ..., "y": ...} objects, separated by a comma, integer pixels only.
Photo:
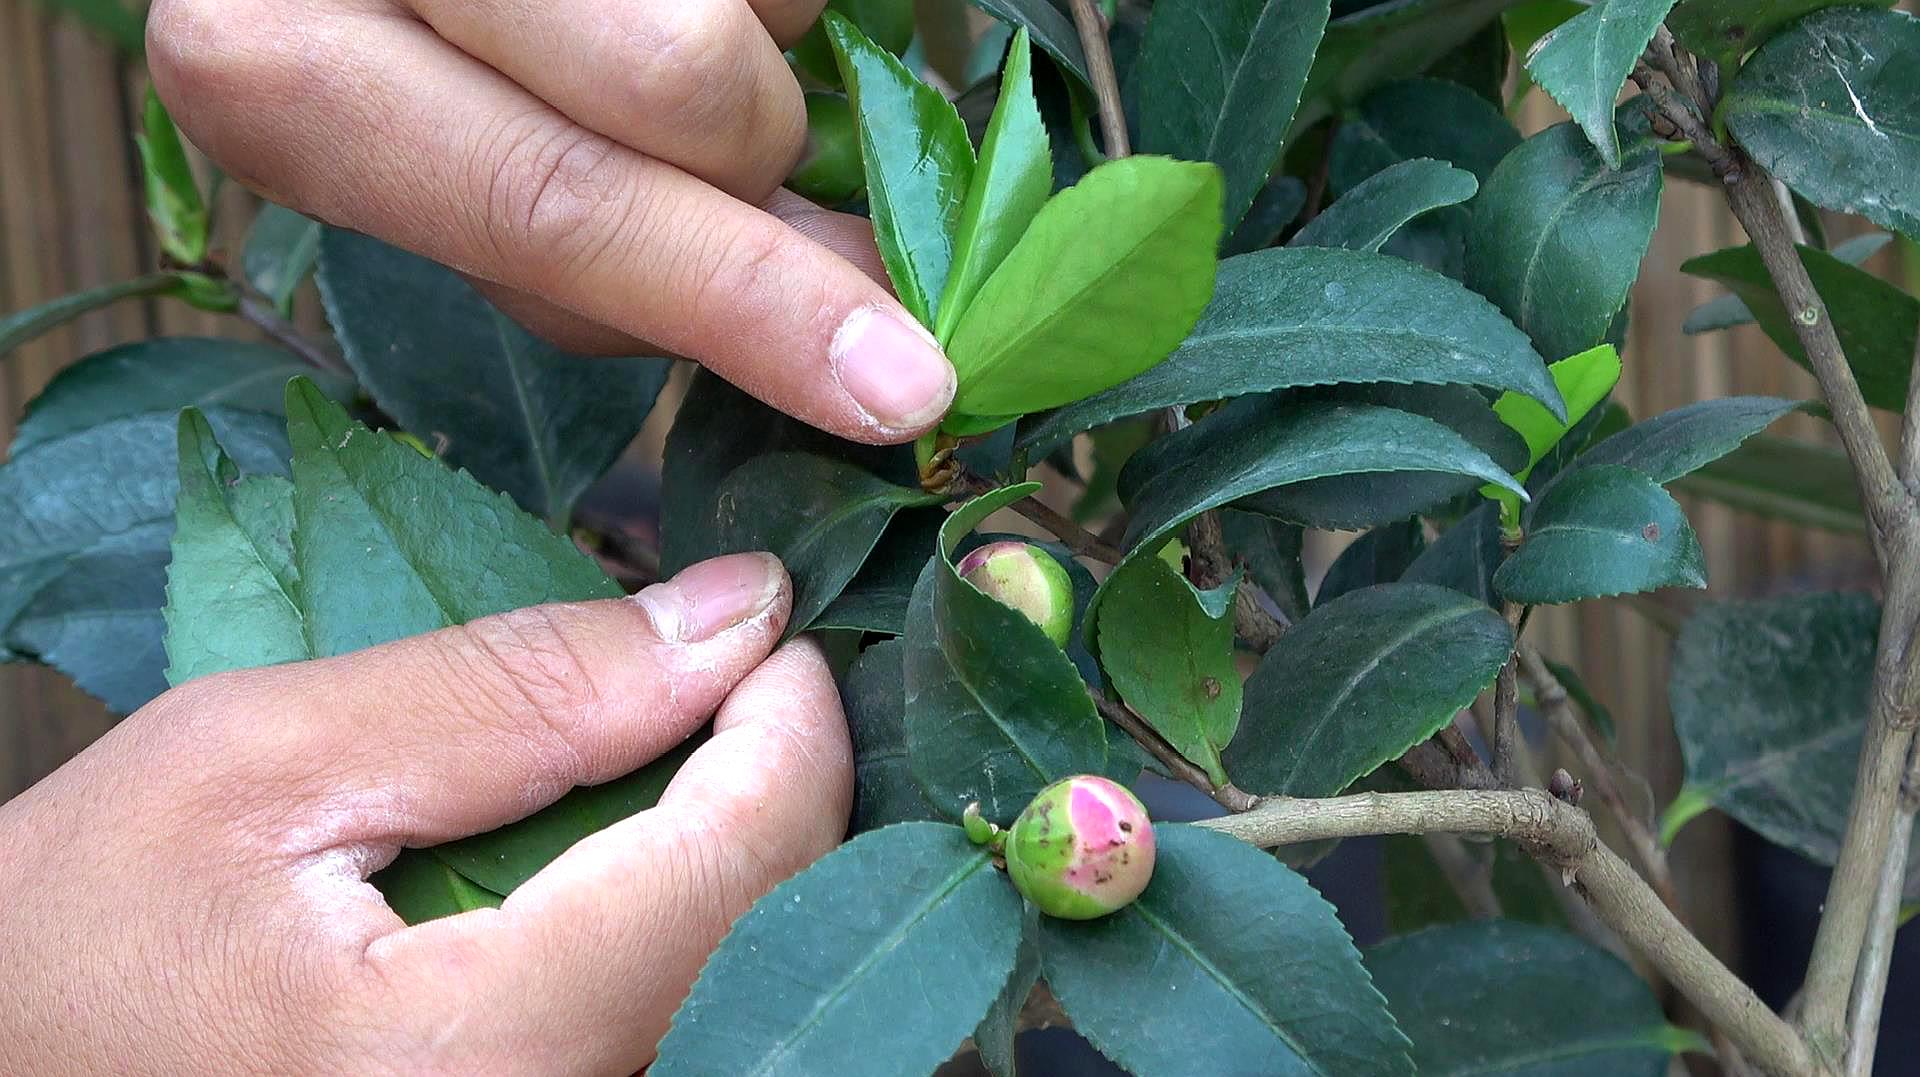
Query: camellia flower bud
[
  {"x": 1082, "y": 849},
  {"x": 1026, "y": 578},
  {"x": 829, "y": 172}
]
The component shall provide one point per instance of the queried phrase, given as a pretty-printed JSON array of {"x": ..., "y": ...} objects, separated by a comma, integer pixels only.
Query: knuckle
[
  {"x": 737, "y": 270},
  {"x": 551, "y": 193},
  {"x": 532, "y": 666},
  {"x": 691, "y": 60}
]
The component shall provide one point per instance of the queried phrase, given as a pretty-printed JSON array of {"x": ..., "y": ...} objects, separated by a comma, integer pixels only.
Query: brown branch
[
  {"x": 1602, "y": 776},
  {"x": 260, "y": 314},
  {"x": 1092, "y": 28},
  {"x": 1563, "y": 837},
  {"x": 1228, "y": 796},
  {"x": 1071, "y": 535}
]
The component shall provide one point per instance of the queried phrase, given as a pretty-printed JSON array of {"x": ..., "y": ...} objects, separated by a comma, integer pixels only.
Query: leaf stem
[
  {"x": 1092, "y": 28},
  {"x": 1228, "y": 796},
  {"x": 1072, "y": 535},
  {"x": 257, "y": 311},
  {"x": 1562, "y": 836}
]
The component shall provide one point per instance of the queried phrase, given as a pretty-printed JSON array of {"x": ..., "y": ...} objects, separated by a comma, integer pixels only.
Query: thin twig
[
  {"x": 1562, "y": 836},
  {"x": 1468, "y": 876},
  {"x": 1092, "y": 28},
  {"x": 1909, "y": 470},
  {"x": 1876, "y": 956},
  {"x": 1602, "y": 776},
  {"x": 1071, "y": 535},
  {"x": 262, "y": 316},
  {"x": 1228, "y": 796}
]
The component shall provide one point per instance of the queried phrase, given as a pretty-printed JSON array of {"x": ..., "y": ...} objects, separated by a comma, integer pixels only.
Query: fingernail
[
  {"x": 706, "y": 599},
  {"x": 892, "y": 369}
]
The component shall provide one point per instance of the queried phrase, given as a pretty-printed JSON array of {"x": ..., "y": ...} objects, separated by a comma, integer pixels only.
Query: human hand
[
  {"x": 607, "y": 172},
  {"x": 188, "y": 895}
]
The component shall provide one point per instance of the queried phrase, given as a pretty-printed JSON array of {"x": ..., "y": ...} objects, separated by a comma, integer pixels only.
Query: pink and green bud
[
  {"x": 1026, "y": 578},
  {"x": 1082, "y": 849},
  {"x": 829, "y": 172}
]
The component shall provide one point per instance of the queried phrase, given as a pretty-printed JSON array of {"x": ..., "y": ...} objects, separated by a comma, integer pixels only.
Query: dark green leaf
[
  {"x": 162, "y": 375},
  {"x": 500, "y": 860},
  {"x": 1169, "y": 649},
  {"x": 1050, "y": 27},
  {"x": 1228, "y": 963},
  {"x": 994, "y": 1037},
  {"x": 875, "y": 698},
  {"x": 1295, "y": 316},
  {"x": 821, "y": 517},
  {"x": 1584, "y": 62},
  {"x": 1480, "y": 64},
  {"x": 1385, "y": 42},
  {"x": 918, "y": 164},
  {"x": 1345, "y": 502},
  {"x": 717, "y": 429},
  {"x": 1379, "y": 556},
  {"x": 1599, "y": 531},
  {"x": 809, "y": 982},
  {"x": 1259, "y": 444},
  {"x": 1682, "y": 441},
  {"x": 1769, "y": 702},
  {"x": 1104, "y": 284},
  {"x": 1727, "y": 311},
  {"x": 418, "y": 887},
  {"x": 23, "y": 325},
  {"x": 1876, "y": 322},
  {"x": 174, "y": 207},
  {"x": 231, "y": 581},
  {"x": 1558, "y": 236},
  {"x": 1830, "y": 106},
  {"x": 1796, "y": 481},
  {"x": 994, "y": 710},
  {"x": 1725, "y": 30},
  {"x": 1362, "y": 679},
  {"x": 1464, "y": 557},
  {"x": 1369, "y": 214},
  {"x": 523, "y": 416},
  {"x": 85, "y": 520},
  {"x": 1275, "y": 207},
  {"x": 282, "y": 250},
  {"x": 1419, "y": 894},
  {"x": 1270, "y": 550},
  {"x": 1500, "y": 999},
  {"x": 1218, "y": 80},
  {"x": 1010, "y": 184},
  {"x": 389, "y": 543},
  {"x": 1415, "y": 118},
  {"x": 887, "y": 23},
  {"x": 875, "y": 600}
]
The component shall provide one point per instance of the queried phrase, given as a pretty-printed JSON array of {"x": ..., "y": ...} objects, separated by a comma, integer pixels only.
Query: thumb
[{"x": 469, "y": 728}]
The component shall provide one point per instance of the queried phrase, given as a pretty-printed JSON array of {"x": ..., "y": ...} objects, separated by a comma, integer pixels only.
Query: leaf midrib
[
  {"x": 820, "y": 1008},
  {"x": 1352, "y": 683},
  {"x": 536, "y": 445}
]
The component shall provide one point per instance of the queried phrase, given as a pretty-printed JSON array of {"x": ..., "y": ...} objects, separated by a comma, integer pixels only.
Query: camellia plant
[{"x": 1335, "y": 290}]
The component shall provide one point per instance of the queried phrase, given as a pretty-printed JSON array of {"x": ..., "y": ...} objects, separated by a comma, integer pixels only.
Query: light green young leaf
[
  {"x": 231, "y": 581},
  {"x": 1583, "y": 63},
  {"x": 174, "y": 205},
  {"x": 1012, "y": 181},
  {"x": 918, "y": 161},
  {"x": 1218, "y": 80},
  {"x": 1584, "y": 380},
  {"x": 1169, "y": 649},
  {"x": 1104, "y": 284},
  {"x": 876, "y": 961},
  {"x": 1368, "y": 215},
  {"x": 1831, "y": 107}
]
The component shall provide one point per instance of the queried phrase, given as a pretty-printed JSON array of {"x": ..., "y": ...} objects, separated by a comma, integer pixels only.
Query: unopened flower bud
[
  {"x": 1026, "y": 578},
  {"x": 1082, "y": 849}
]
